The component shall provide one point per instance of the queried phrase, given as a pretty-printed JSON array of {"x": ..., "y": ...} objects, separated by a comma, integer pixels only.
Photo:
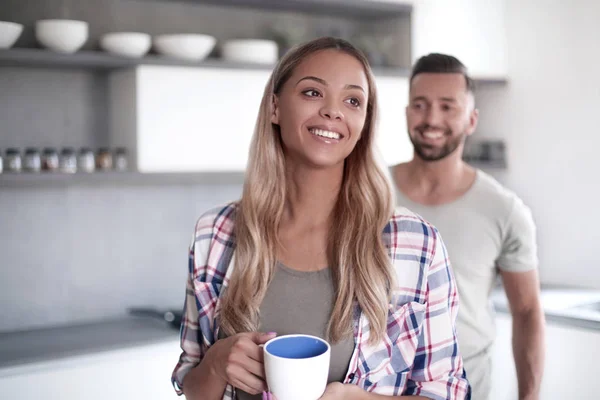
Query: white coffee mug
[{"x": 297, "y": 366}]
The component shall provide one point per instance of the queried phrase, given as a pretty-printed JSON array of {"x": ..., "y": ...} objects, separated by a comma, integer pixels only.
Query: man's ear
[
  {"x": 473, "y": 120},
  {"x": 275, "y": 108}
]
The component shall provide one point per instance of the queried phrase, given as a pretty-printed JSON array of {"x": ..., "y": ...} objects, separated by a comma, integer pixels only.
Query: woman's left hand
[{"x": 335, "y": 391}]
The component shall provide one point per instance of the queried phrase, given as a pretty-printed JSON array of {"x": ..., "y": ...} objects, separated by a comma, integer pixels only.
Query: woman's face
[{"x": 322, "y": 108}]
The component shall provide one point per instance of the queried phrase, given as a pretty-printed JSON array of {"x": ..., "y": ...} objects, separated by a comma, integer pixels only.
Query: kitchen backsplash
[{"x": 80, "y": 253}]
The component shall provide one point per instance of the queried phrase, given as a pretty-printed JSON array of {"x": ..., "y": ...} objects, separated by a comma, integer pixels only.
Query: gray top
[
  {"x": 301, "y": 302},
  {"x": 487, "y": 228}
]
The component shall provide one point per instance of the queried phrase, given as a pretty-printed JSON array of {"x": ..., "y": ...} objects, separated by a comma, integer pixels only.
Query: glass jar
[
  {"x": 104, "y": 159},
  {"x": 13, "y": 160},
  {"x": 50, "y": 160},
  {"x": 68, "y": 161},
  {"x": 32, "y": 162},
  {"x": 120, "y": 160},
  {"x": 86, "y": 161}
]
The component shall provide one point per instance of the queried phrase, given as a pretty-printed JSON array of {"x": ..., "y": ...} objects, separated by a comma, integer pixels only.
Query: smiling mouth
[
  {"x": 325, "y": 133},
  {"x": 433, "y": 135}
]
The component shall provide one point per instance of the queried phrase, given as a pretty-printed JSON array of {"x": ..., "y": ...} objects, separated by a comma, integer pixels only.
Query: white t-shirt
[{"x": 487, "y": 228}]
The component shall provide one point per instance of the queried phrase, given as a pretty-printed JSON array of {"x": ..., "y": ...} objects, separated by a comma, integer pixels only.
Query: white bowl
[
  {"x": 61, "y": 35},
  {"x": 251, "y": 51},
  {"x": 193, "y": 47},
  {"x": 9, "y": 33},
  {"x": 127, "y": 44}
]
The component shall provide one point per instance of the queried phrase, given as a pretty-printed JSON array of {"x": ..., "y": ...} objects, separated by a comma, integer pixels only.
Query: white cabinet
[
  {"x": 392, "y": 137},
  {"x": 182, "y": 119},
  {"x": 570, "y": 368},
  {"x": 137, "y": 373},
  {"x": 472, "y": 30},
  {"x": 185, "y": 119}
]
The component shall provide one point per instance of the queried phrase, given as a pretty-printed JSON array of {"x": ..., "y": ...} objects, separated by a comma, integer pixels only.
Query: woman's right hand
[{"x": 238, "y": 360}]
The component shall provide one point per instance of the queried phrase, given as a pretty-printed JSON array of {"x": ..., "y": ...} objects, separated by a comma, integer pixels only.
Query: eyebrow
[
  {"x": 324, "y": 83},
  {"x": 423, "y": 98}
]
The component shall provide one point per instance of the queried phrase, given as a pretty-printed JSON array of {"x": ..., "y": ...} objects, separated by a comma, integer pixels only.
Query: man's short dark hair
[{"x": 437, "y": 63}]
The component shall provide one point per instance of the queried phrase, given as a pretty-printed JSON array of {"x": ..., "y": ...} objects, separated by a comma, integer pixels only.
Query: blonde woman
[{"x": 313, "y": 246}]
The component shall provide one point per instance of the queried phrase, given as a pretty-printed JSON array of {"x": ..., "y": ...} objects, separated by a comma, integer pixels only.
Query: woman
[{"x": 314, "y": 247}]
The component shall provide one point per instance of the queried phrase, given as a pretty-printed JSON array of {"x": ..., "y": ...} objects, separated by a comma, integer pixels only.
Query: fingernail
[{"x": 264, "y": 396}]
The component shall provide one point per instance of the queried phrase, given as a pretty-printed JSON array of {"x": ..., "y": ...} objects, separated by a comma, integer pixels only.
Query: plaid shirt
[{"x": 419, "y": 353}]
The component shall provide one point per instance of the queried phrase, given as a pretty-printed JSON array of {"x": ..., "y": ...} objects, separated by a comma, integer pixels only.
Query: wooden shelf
[
  {"x": 57, "y": 179},
  {"x": 360, "y": 9}
]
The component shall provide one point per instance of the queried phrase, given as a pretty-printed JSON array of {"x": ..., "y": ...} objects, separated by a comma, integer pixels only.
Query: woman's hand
[
  {"x": 336, "y": 391},
  {"x": 333, "y": 391},
  {"x": 238, "y": 360}
]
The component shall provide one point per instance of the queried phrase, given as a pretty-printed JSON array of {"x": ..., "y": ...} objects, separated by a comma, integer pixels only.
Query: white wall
[{"x": 549, "y": 116}]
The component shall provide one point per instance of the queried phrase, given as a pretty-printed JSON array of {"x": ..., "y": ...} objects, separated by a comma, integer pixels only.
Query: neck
[
  {"x": 438, "y": 176},
  {"x": 312, "y": 194}
]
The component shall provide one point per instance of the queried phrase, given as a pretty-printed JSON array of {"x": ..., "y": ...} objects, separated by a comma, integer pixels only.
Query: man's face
[{"x": 440, "y": 114}]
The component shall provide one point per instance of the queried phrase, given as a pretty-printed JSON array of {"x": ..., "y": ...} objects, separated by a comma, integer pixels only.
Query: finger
[
  {"x": 255, "y": 352},
  {"x": 255, "y": 367},
  {"x": 248, "y": 382},
  {"x": 259, "y": 337}
]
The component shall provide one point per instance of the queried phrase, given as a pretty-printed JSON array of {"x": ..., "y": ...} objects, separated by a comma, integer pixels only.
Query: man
[{"x": 487, "y": 229}]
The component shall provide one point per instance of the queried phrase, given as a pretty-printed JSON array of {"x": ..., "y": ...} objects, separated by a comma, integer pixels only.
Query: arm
[
  {"x": 208, "y": 368},
  {"x": 437, "y": 372},
  {"x": 438, "y": 367},
  {"x": 518, "y": 267},
  {"x": 193, "y": 375},
  {"x": 352, "y": 392},
  {"x": 522, "y": 291}
]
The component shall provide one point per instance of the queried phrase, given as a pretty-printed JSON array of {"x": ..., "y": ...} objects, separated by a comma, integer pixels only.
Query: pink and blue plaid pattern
[{"x": 419, "y": 354}]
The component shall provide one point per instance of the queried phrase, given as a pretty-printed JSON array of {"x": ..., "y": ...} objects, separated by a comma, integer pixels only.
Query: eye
[
  {"x": 311, "y": 93},
  {"x": 353, "y": 101},
  {"x": 446, "y": 107},
  {"x": 418, "y": 106}
]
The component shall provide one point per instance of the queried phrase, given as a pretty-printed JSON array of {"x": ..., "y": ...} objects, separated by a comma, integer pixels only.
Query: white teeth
[
  {"x": 433, "y": 135},
  {"x": 324, "y": 133}
]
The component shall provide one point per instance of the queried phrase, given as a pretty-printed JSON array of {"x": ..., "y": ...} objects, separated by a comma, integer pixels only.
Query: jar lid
[
  {"x": 68, "y": 150},
  {"x": 103, "y": 150},
  {"x": 49, "y": 150},
  {"x": 12, "y": 151},
  {"x": 31, "y": 150}
]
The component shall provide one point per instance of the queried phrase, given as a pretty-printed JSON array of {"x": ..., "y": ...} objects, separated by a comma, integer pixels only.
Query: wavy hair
[{"x": 358, "y": 258}]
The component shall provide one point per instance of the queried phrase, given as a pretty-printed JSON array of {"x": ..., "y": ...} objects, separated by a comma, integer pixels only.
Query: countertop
[
  {"x": 25, "y": 347},
  {"x": 565, "y": 306}
]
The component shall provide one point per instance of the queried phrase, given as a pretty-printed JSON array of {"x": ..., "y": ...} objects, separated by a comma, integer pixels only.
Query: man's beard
[{"x": 434, "y": 153}]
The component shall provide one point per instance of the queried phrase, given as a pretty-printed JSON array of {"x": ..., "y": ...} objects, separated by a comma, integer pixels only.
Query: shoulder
[
  {"x": 218, "y": 221},
  {"x": 213, "y": 242},
  {"x": 493, "y": 191},
  {"x": 410, "y": 236},
  {"x": 406, "y": 222},
  {"x": 495, "y": 196}
]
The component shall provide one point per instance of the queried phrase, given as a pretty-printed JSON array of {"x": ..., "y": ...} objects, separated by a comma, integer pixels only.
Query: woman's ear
[{"x": 275, "y": 108}]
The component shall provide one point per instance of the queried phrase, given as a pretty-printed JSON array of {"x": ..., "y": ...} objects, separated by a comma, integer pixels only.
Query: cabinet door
[
  {"x": 392, "y": 138},
  {"x": 569, "y": 368},
  {"x": 140, "y": 373},
  {"x": 472, "y": 30},
  {"x": 196, "y": 119}
]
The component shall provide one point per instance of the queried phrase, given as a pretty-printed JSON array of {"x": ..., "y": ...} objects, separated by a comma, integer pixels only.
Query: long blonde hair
[{"x": 359, "y": 262}]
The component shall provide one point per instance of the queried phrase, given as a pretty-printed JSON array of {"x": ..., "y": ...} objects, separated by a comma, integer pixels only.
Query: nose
[
  {"x": 433, "y": 116},
  {"x": 331, "y": 111}
]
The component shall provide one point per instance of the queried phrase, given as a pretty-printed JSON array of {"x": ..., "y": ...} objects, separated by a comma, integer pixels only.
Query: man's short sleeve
[{"x": 519, "y": 246}]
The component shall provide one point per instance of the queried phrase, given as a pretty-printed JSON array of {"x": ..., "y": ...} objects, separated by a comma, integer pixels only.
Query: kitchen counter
[
  {"x": 25, "y": 347},
  {"x": 565, "y": 306}
]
